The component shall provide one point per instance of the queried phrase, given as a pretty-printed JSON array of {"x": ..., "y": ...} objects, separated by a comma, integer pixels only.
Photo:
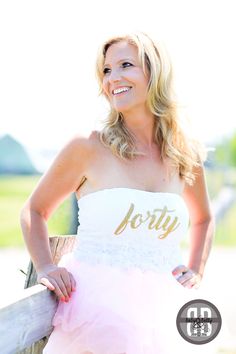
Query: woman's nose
[{"x": 114, "y": 76}]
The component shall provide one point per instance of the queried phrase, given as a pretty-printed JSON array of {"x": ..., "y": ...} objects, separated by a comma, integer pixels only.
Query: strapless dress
[{"x": 126, "y": 299}]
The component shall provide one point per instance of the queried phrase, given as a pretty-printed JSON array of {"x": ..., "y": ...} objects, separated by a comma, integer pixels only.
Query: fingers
[
  {"x": 73, "y": 282},
  {"x": 68, "y": 280},
  {"x": 60, "y": 281},
  {"x": 179, "y": 270},
  {"x": 54, "y": 284},
  {"x": 65, "y": 282},
  {"x": 189, "y": 282},
  {"x": 63, "y": 287},
  {"x": 47, "y": 283},
  {"x": 186, "y": 277},
  {"x": 57, "y": 285}
]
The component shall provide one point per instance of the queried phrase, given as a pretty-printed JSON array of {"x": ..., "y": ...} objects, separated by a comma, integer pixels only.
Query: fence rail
[
  {"x": 26, "y": 323},
  {"x": 27, "y": 320}
]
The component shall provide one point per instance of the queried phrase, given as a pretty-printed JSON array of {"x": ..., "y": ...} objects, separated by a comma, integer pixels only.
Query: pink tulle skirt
[{"x": 120, "y": 311}]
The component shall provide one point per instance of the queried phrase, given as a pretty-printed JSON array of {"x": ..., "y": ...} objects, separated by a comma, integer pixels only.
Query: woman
[{"x": 138, "y": 182}]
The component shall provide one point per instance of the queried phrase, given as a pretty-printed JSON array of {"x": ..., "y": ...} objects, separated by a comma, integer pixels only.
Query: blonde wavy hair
[{"x": 183, "y": 152}]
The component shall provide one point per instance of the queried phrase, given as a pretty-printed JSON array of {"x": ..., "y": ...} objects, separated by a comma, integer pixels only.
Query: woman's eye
[
  {"x": 127, "y": 63},
  {"x": 105, "y": 70}
]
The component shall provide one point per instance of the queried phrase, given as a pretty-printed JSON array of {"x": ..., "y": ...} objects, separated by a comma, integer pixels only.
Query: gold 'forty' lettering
[{"x": 159, "y": 219}]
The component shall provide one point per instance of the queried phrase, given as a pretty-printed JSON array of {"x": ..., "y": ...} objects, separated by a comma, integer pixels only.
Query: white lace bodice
[{"x": 127, "y": 228}]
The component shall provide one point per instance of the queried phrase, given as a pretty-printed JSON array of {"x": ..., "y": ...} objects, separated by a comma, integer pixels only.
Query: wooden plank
[
  {"x": 59, "y": 246},
  {"x": 27, "y": 320}
]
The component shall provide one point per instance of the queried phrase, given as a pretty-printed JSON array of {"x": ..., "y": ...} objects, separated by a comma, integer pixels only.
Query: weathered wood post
[
  {"x": 74, "y": 222},
  {"x": 59, "y": 245}
]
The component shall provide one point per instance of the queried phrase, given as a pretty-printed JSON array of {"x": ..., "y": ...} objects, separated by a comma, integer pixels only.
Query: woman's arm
[
  {"x": 62, "y": 179},
  {"x": 202, "y": 229}
]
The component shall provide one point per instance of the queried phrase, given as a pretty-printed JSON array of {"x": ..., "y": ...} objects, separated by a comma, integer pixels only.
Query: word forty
[{"x": 159, "y": 219}]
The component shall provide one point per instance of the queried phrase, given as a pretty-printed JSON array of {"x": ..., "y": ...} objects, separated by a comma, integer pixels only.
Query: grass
[
  {"x": 218, "y": 178},
  {"x": 226, "y": 229},
  {"x": 14, "y": 190}
]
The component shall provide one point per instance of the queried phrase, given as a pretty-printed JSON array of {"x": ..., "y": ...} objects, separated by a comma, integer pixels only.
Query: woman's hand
[
  {"x": 57, "y": 279},
  {"x": 187, "y": 277}
]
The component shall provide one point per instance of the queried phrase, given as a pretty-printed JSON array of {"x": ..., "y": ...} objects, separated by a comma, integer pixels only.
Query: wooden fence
[{"x": 26, "y": 323}]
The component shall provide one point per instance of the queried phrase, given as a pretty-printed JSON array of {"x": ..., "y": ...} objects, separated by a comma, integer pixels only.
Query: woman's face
[{"x": 124, "y": 82}]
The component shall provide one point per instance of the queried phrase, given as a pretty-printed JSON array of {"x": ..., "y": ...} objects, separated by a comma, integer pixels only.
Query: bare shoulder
[
  {"x": 80, "y": 147},
  {"x": 75, "y": 157},
  {"x": 64, "y": 175},
  {"x": 83, "y": 142}
]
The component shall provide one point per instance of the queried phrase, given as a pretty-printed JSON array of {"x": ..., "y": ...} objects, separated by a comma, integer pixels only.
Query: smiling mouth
[{"x": 119, "y": 92}]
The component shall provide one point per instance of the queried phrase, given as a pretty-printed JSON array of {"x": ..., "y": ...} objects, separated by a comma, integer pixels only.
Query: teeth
[{"x": 122, "y": 89}]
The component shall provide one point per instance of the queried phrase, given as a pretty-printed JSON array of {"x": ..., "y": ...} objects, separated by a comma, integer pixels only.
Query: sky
[{"x": 48, "y": 49}]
